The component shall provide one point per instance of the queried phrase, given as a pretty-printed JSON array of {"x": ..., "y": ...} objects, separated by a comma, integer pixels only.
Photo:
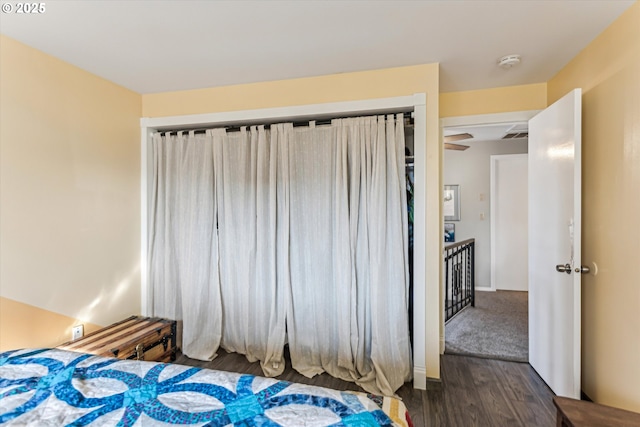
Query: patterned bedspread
[{"x": 50, "y": 387}]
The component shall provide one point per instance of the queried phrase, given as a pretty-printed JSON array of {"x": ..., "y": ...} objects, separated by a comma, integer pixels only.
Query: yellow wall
[
  {"x": 34, "y": 327},
  {"x": 608, "y": 71},
  {"x": 69, "y": 197},
  {"x": 383, "y": 83},
  {"x": 495, "y": 100}
]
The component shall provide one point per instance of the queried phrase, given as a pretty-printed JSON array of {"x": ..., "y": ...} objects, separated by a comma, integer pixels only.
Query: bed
[{"x": 53, "y": 387}]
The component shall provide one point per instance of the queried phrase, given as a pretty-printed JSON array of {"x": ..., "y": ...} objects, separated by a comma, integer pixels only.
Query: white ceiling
[
  {"x": 156, "y": 46},
  {"x": 487, "y": 132}
]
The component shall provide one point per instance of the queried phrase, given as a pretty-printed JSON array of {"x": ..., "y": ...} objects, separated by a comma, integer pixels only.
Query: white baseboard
[
  {"x": 419, "y": 378},
  {"x": 441, "y": 344},
  {"x": 484, "y": 289}
]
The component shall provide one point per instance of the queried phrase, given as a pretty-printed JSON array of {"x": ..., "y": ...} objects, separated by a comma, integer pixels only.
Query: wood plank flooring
[{"x": 473, "y": 391}]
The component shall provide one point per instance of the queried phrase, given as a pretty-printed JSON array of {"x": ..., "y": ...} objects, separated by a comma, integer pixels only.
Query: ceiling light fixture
[{"x": 509, "y": 61}]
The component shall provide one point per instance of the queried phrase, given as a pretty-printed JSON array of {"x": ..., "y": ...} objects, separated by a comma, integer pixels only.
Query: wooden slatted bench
[
  {"x": 137, "y": 337},
  {"x": 579, "y": 413}
]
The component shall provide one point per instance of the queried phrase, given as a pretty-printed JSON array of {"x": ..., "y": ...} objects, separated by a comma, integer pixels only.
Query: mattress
[{"x": 53, "y": 387}]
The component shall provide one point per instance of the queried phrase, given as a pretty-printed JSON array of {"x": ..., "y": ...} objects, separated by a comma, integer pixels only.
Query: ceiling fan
[{"x": 449, "y": 139}]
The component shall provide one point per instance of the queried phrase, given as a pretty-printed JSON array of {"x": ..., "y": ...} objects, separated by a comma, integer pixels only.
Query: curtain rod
[{"x": 408, "y": 121}]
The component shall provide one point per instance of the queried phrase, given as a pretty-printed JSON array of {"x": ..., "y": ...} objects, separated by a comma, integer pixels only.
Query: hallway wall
[{"x": 471, "y": 169}]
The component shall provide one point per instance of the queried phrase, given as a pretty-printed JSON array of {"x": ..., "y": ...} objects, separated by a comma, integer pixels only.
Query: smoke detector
[{"x": 509, "y": 61}]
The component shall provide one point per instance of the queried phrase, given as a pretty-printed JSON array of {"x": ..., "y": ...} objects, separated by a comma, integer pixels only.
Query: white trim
[
  {"x": 420, "y": 378},
  {"x": 489, "y": 119},
  {"x": 299, "y": 112},
  {"x": 484, "y": 289},
  {"x": 492, "y": 222},
  {"x": 144, "y": 212},
  {"x": 415, "y": 103},
  {"x": 420, "y": 282}
]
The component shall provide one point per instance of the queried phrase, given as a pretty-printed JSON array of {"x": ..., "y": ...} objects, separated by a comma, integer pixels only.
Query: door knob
[
  {"x": 566, "y": 268},
  {"x": 583, "y": 269}
]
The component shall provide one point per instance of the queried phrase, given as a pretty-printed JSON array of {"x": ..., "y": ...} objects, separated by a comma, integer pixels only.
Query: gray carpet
[{"x": 496, "y": 328}]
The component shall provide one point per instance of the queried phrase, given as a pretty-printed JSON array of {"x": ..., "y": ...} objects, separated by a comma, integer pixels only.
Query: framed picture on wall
[
  {"x": 449, "y": 232},
  {"x": 451, "y": 204}
]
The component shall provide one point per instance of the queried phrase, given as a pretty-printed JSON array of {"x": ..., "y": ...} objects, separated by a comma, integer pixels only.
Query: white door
[
  {"x": 509, "y": 241},
  {"x": 554, "y": 244}
]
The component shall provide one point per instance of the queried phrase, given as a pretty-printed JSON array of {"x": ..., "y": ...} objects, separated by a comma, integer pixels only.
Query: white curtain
[
  {"x": 213, "y": 243},
  {"x": 183, "y": 242},
  {"x": 348, "y": 312},
  {"x": 252, "y": 306},
  {"x": 260, "y": 235}
]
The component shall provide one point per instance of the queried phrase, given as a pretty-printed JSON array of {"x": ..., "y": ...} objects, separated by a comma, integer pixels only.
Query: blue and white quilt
[{"x": 51, "y": 387}]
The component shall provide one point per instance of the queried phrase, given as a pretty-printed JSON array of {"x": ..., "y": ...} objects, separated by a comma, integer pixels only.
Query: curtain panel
[
  {"x": 298, "y": 235},
  {"x": 183, "y": 243}
]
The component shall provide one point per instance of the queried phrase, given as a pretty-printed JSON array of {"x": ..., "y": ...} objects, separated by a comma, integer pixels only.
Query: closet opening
[{"x": 413, "y": 104}]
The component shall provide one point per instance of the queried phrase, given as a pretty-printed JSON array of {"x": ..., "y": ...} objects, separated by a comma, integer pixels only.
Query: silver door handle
[
  {"x": 563, "y": 268},
  {"x": 583, "y": 269}
]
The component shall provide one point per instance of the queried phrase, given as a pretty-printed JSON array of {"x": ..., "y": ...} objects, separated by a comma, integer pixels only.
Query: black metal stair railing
[{"x": 459, "y": 277}]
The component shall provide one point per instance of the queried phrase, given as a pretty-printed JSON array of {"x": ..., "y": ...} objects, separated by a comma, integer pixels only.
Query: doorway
[
  {"x": 496, "y": 327},
  {"x": 509, "y": 225}
]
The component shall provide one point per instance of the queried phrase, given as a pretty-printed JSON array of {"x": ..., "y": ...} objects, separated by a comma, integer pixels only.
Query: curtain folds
[
  {"x": 300, "y": 234},
  {"x": 348, "y": 313},
  {"x": 254, "y": 318},
  {"x": 183, "y": 251}
]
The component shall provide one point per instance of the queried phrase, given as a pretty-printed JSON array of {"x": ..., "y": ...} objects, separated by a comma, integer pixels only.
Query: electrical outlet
[{"x": 77, "y": 332}]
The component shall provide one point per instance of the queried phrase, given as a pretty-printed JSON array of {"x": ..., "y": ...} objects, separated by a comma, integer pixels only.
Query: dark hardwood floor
[{"x": 473, "y": 391}]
